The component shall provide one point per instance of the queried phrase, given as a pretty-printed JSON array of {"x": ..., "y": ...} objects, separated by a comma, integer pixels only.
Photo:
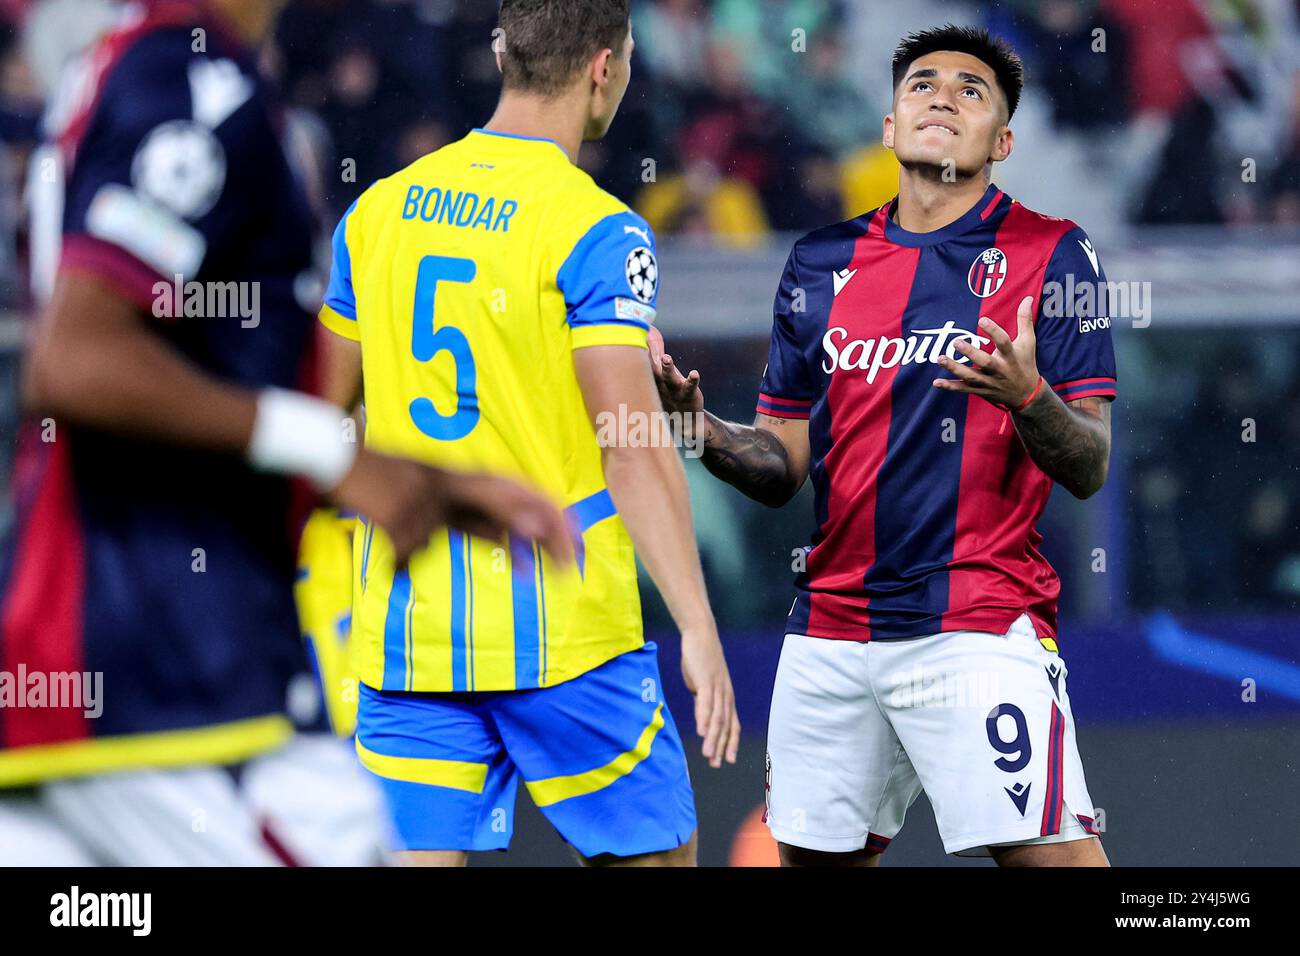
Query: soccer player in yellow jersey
[{"x": 502, "y": 302}]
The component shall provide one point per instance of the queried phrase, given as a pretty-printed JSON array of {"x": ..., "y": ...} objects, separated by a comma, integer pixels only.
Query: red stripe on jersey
[
  {"x": 1083, "y": 381},
  {"x": 789, "y": 402},
  {"x": 860, "y": 415},
  {"x": 993, "y": 204},
  {"x": 1001, "y": 491},
  {"x": 112, "y": 264},
  {"x": 771, "y": 412},
  {"x": 1086, "y": 388},
  {"x": 1098, "y": 392},
  {"x": 41, "y": 619},
  {"x": 775, "y": 407}
]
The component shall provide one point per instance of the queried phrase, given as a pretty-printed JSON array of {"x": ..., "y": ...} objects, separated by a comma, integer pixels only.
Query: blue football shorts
[{"x": 599, "y": 755}]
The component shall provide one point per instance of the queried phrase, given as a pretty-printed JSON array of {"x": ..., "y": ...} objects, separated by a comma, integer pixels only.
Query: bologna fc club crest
[{"x": 987, "y": 272}]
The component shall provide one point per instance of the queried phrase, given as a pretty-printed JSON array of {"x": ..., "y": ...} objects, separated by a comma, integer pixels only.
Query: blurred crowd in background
[
  {"x": 746, "y": 138},
  {"x": 747, "y": 118},
  {"x": 1150, "y": 106}
]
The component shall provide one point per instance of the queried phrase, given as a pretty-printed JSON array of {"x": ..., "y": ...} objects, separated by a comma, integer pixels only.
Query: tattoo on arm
[
  {"x": 751, "y": 459},
  {"x": 1070, "y": 443}
]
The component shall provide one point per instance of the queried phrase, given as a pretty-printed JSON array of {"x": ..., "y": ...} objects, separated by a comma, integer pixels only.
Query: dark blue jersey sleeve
[
  {"x": 156, "y": 185},
  {"x": 788, "y": 387},
  {"x": 1075, "y": 353}
]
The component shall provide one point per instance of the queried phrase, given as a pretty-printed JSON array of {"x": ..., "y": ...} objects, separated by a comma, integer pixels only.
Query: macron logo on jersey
[
  {"x": 1091, "y": 253},
  {"x": 841, "y": 279}
]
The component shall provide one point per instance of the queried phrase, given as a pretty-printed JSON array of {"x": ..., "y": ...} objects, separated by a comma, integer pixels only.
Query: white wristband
[{"x": 297, "y": 434}]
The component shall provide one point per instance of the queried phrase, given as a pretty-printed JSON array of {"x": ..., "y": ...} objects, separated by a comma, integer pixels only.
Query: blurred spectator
[
  {"x": 1184, "y": 188},
  {"x": 763, "y": 91},
  {"x": 868, "y": 179},
  {"x": 674, "y": 37},
  {"x": 827, "y": 110},
  {"x": 359, "y": 115},
  {"x": 1079, "y": 56},
  {"x": 20, "y": 112},
  {"x": 702, "y": 202},
  {"x": 765, "y": 35},
  {"x": 1218, "y": 477},
  {"x": 1155, "y": 60},
  {"x": 1284, "y": 185}
]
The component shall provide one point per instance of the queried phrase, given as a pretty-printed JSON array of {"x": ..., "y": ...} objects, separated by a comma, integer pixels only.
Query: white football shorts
[
  {"x": 980, "y": 721},
  {"x": 307, "y": 804}
]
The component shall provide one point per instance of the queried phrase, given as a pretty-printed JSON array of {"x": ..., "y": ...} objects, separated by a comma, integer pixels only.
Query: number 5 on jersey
[{"x": 427, "y": 341}]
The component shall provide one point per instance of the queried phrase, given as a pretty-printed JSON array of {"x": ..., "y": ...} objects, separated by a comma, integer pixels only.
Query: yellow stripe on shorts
[
  {"x": 554, "y": 789},
  {"x": 455, "y": 774}
]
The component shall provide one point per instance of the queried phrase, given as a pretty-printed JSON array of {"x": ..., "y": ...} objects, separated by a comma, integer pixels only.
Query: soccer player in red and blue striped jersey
[{"x": 935, "y": 365}]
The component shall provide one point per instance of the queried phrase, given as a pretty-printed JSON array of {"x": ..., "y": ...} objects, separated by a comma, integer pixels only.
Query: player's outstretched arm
[
  {"x": 95, "y": 362},
  {"x": 648, "y": 485},
  {"x": 1069, "y": 442},
  {"x": 768, "y": 461}
]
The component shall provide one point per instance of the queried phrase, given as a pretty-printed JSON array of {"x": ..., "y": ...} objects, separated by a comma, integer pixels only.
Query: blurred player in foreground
[
  {"x": 146, "y": 590},
  {"x": 502, "y": 302},
  {"x": 920, "y": 652}
]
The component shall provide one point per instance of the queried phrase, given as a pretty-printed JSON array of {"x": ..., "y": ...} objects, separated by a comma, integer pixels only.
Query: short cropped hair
[
  {"x": 545, "y": 42},
  {"x": 992, "y": 51}
]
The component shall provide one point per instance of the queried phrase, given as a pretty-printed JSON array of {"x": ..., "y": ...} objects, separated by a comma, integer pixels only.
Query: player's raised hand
[
  {"x": 1007, "y": 376},
  {"x": 411, "y": 501},
  {"x": 678, "y": 392},
  {"x": 704, "y": 669}
]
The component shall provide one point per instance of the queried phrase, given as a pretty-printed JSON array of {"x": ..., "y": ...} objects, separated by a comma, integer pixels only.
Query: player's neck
[
  {"x": 926, "y": 204},
  {"x": 561, "y": 120},
  {"x": 251, "y": 20}
]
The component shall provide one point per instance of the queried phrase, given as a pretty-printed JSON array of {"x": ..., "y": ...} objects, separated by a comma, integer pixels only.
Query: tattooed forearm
[
  {"x": 1070, "y": 443},
  {"x": 751, "y": 459}
]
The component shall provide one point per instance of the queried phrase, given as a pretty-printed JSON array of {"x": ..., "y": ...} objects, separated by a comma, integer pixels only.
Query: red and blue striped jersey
[
  {"x": 168, "y": 570},
  {"x": 926, "y": 501}
]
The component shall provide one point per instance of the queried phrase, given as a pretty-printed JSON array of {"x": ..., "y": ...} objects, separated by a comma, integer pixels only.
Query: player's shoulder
[
  {"x": 1039, "y": 225},
  {"x": 830, "y": 242},
  {"x": 151, "y": 81},
  {"x": 1062, "y": 244},
  {"x": 138, "y": 78},
  {"x": 154, "y": 55},
  {"x": 582, "y": 209}
]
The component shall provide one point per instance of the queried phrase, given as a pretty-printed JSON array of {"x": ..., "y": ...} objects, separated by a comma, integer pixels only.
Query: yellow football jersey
[
  {"x": 323, "y": 593},
  {"x": 469, "y": 278}
]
